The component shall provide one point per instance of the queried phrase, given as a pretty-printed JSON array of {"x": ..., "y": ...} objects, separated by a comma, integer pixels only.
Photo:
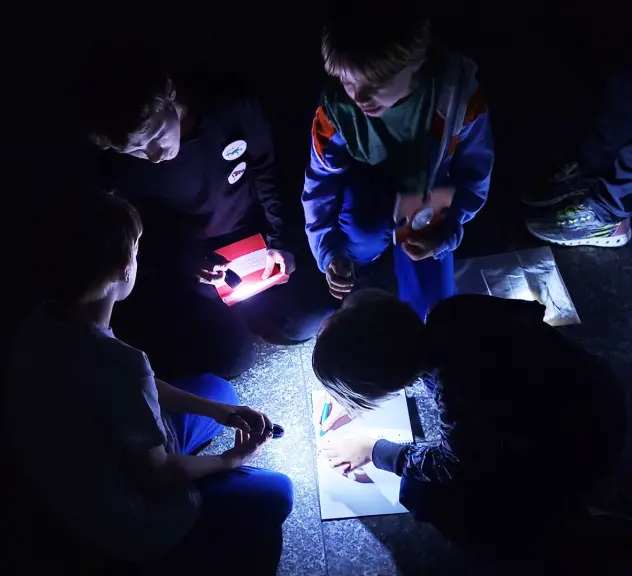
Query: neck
[{"x": 97, "y": 312}]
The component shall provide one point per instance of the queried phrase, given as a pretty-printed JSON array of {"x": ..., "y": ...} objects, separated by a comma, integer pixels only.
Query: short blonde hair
[{"x": 378, "y": 48}]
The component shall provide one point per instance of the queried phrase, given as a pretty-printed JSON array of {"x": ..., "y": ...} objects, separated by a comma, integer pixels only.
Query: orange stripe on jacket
[
  {"x": 322, "y": 132},
  {"x": 437, "y": 127},
  {"x": 476, "y": 106}
]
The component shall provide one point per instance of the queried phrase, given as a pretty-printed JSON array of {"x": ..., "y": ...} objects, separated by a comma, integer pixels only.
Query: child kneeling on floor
[
  {"x": 122, "y": 474},
  {"x": 529, "y": 421}
]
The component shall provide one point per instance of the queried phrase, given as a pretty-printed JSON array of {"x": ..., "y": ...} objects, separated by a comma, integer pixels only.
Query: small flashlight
[{"x": 232, "y": 278}]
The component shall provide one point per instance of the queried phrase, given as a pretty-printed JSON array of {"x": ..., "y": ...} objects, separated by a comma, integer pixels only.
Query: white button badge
[
  {"x": 237, "y": 173},
  {"x": 234, "y": 150}
]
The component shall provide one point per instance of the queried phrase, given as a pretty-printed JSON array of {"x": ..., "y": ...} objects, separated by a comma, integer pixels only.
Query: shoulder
[
  {"x": 459, "y": 71},
  {"x": 482, "y": 312},
  {"x": 324, "y": 128},
  {"x": 461, "y": 90},
  {"x": 117, "y": 355},
  {"x": 43, "y": 336}
]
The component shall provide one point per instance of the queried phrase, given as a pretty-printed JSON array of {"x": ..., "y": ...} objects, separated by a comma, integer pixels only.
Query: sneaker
[
  {"x": 577, "y": 224},
  {"x": 566, "y": 183}
]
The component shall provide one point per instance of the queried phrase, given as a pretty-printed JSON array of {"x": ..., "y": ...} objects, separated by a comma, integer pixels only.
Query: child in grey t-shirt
[{"x": 88, "y": 422}]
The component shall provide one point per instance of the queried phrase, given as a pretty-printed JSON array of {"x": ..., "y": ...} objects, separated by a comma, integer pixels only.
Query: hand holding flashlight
[
  {"x": 340, "y": 277},
  {"x": 212, "y": 270}
]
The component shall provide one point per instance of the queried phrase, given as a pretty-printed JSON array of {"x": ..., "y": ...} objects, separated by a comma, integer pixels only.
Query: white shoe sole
[{"x": 610, "y": 242}]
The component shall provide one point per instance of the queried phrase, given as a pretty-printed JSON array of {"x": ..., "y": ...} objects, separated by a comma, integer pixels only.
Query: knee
[
  {"x": 305, "y": 325},
  {"x": 235, "y": 360},
  {"x": 219, "y": 390},
  {"x": 408, "y": 495},
  {"x": 422, "y": 499},
  {"x": 209, "y": 386},
  {"x": 281, "y": 497}
]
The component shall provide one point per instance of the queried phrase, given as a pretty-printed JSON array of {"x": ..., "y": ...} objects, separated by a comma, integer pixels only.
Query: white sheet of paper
[
  {"x": 249, "y": 263},
  {"x": 523, "y": 275},
  {"x": 342, "y": 497}
]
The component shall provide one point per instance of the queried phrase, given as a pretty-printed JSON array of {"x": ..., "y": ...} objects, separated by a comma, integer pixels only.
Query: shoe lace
[
  {"x": 572, "y": 214},
  {"x": 569, "y": 171}
]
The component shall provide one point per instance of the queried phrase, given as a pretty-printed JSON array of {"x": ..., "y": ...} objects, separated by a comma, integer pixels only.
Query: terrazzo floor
[{"x": 280, "y": 384}]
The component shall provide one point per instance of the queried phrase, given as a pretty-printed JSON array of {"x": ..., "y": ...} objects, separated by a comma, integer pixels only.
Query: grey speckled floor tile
[
  {"x": 275, "y": 385},
  {"x": 598, "y": 279},
  {"x": 311, "y": 382},
  {"x": 389, "y": 545},
  {"x": 429, "y": 416}
]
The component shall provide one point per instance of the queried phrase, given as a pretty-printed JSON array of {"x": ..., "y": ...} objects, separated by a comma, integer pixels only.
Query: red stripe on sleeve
[{"x": 322, "y": 132}]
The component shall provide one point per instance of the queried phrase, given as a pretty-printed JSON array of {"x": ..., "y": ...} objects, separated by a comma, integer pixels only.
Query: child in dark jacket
[
  {"x": 530, "y": 422},
  {"x": 191, "y": 148},
  {"x": 398, "y": 118}
]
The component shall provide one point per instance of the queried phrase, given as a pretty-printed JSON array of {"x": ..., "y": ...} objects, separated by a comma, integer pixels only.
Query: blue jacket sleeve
[
  {"x": 323, "y": 189},
  {"x": 470, "y": 174}
]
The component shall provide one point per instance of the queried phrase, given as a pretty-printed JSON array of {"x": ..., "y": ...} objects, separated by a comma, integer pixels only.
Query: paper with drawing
[{"x": 342, "y": 497}]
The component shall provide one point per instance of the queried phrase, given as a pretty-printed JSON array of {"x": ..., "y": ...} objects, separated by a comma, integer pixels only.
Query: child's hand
[
  {"x": 246, "y": 448},
  {"x": 284, "y": 259},
  {"x": 337, "y": 415},
  {"x": 347, "y": 455},
  {"x": 339, "y": 276},
  {"x": 418, "y": 249},
  {"x": 246, "y": 419},
  {"x": 212, "y": 271}
]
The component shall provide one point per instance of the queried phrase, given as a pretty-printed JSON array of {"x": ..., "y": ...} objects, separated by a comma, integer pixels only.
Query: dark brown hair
[
  {"x": 92, "y": 239},
  {"x": 118, "y": 89},
  {"x": 369, "y": 349}
]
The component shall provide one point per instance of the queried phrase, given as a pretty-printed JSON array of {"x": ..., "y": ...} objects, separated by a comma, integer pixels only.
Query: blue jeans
[
  {"x": 606, "y": 151},
  {"x": 242, "y": 509},
  {"x": 366, "y": 218}
]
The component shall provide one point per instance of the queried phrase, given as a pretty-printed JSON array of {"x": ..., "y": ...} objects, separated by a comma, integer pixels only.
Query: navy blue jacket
[{"x": 190, "y": 197}]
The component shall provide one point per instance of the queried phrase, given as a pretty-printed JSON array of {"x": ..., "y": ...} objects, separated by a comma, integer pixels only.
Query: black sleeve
[
  {"x": 436, "y": 462},
  {"x": 425, "y": 463},
  {"x": 261, "y": 149}
]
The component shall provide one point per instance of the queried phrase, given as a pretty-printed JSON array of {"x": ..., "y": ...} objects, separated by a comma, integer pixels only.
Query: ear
[{"x": 127, "y": 274}]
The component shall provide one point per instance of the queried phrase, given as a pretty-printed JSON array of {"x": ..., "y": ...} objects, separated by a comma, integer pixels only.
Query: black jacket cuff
[{"x": 386, "y": 454}]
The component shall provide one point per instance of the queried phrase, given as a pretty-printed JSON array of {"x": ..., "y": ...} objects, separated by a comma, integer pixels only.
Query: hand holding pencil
[{"x": 328, "y": 414}]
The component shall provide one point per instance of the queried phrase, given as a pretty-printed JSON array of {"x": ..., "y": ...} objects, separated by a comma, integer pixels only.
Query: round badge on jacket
[
  {"x": 237, "y": 173},
  {"x": 234, "y": 150}
]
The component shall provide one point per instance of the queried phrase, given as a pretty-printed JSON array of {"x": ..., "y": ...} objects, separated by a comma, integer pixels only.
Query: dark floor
[{"x": 598, "y": 280}]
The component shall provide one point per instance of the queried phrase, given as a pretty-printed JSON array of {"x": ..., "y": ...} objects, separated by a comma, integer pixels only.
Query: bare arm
[
  {"x": 173, "y": 399},
  {"x": 156, "y": 467}
]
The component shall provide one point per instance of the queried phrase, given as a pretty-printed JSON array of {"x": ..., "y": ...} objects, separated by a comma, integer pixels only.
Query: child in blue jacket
[{"x": 397, "y": 118}]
